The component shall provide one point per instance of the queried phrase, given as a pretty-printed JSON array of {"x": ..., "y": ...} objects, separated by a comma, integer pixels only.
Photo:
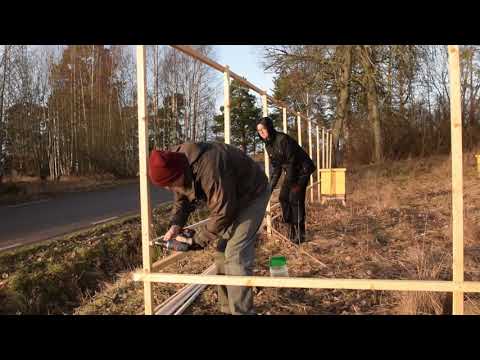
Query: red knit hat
[{"x": 165, "y": 166}]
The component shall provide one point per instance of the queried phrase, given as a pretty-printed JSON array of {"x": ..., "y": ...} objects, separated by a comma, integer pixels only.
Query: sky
[{"x": 244, "y": 60}]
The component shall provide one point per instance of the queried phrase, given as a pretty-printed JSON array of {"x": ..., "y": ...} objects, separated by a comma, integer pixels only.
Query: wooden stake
[
  {"x": 303, "y": 251},
  {"x": 146, "y": 212},
  {"x": 310, "y": 151},
  {"x": 457, "y": 173},
  {"x": 285, "y": 125},
  {"x": 267, "y": 167},
  {"x": 318, "y": 164},
  {"x": 226, "y": 103},
  {"x": 299, "y": 135},
  {"x": 323, "y": 148},
  {"x": 330, "y": 148}
]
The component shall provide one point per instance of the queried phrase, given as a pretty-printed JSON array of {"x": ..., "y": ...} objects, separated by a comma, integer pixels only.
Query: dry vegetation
[{"x": 396, "y": 225}]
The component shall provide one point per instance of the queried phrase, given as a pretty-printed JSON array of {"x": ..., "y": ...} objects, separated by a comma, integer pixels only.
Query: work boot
[
  {"x": 292, "y": 234},
  {"x": 296, "y": 237},
  {"x": 302, "y": 232}
]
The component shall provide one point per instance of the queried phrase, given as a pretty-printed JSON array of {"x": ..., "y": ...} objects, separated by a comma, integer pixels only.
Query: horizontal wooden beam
[
  {"x": 311, "y": 283},
  {"x": 199, "y": 56},
  {"x": 207, "y": 61},
  {"x": 170, "y": 259}
]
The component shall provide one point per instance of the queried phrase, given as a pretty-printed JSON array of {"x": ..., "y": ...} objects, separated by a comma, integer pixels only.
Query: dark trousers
[{"x": 293, "y": 206}]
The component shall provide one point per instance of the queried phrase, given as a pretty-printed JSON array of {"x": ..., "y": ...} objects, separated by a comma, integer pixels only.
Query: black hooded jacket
[{"x": 285, "y": 153}]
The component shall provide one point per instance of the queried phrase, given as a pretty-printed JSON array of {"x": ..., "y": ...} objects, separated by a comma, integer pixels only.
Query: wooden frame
[
  {"x": 312, "y": 283},
  {"x": 200, "y": 57},
  {"x": 310, "y": 151},
  {"x": 226, "y": 104},
  {"x": 330, "y": 148},
  {"x": 323, "y": 148},
  {"x": 145, "y": 206},
  {"x": 457, "y": 286},
  {"x": 267, "y": 167},
  {"x": 299, "y": 124},
  {"x": 457, "y": 173},
  {"x": 318, "y": 164}
]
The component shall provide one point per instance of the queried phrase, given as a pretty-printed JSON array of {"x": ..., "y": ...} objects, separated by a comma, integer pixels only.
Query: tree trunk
[
  {"x": 372, "y": 102},
  {"x": 345, "y": 58}
]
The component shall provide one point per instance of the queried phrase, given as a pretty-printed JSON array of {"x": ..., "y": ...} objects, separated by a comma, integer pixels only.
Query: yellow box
[{"x": 333, "y": 181}]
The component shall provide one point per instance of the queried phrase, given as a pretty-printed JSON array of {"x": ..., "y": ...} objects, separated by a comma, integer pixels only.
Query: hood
[
  {"x": 268, "y": 123},
  {"x": 191, "y": 150}
]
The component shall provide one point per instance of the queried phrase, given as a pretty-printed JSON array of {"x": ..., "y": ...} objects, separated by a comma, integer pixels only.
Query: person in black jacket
[{"x": 285, "y": 153}]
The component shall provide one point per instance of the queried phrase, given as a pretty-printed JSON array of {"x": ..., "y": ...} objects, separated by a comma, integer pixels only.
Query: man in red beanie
[{"x": 236, "y": 191}]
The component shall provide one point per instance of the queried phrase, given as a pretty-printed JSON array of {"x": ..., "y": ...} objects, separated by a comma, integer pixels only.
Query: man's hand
[
  {"x": 172, "y": 232},
  {"x": 186, "y": 236}
]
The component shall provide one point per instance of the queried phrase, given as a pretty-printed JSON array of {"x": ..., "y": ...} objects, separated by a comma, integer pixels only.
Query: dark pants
[{"x": 293, "y": 207}]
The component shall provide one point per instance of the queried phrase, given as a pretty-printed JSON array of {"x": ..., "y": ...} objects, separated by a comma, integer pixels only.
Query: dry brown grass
[
  {"x": 428, "y": 265},
  {"x": 396, "y": 225}
]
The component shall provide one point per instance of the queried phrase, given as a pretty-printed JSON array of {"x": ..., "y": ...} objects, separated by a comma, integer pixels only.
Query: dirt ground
[{"x": 396, "y": 225}]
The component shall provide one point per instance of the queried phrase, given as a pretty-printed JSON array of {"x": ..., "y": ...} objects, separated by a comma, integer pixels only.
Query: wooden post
[
  {"x": 285, "y": 126},
  {"x": 299, "y": 135},
  {"x": 323, "y": 148},
  {"x": 146, "y": 213},
  {"x": 457, "y": 173},
  {"x": 310, "y": 151},
  {"x": 318, "y": 164},
  {"x": 327, "y": 153},
  {"x": 326, "y": 149},
  {"x": 267, "y": 167},
  {"x": 312, "y": 283},
  {"x": 226, "y": 104},
  {"x": 330, "y": 148}
]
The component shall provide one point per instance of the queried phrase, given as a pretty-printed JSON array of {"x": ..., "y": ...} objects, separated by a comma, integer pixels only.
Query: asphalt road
[{"x": 43, "y": 219}]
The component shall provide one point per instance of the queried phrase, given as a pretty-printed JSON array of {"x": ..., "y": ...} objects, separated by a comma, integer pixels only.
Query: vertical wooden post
[
  {"x": 330, "y": 148},
  {"x": 323, "y": 148},
  {"x": 318, "y": 164},
  {"x": 310, "y": 151},
  {"x": 146, "y": 213},
  {"x": 267, "y": 166},
  {"x": 327, "y": 154},
  {"x": 285, "y": 126},
  {"x": 226, "y": 104},
  {"x": 299, "y": 135},
  {"x": 457, "y": 173}
]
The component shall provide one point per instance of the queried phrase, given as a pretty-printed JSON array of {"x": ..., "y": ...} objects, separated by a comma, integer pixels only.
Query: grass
[
  {"x": 396, "y": 225},
  {"x": 55, "y": 277}
]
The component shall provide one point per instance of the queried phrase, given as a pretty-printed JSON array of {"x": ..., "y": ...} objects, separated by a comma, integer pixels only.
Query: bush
[{"x": 10, "y": 189}]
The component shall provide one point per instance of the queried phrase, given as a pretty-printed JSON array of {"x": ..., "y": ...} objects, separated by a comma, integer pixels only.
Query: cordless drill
[{"x": 182, "y": 241}]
